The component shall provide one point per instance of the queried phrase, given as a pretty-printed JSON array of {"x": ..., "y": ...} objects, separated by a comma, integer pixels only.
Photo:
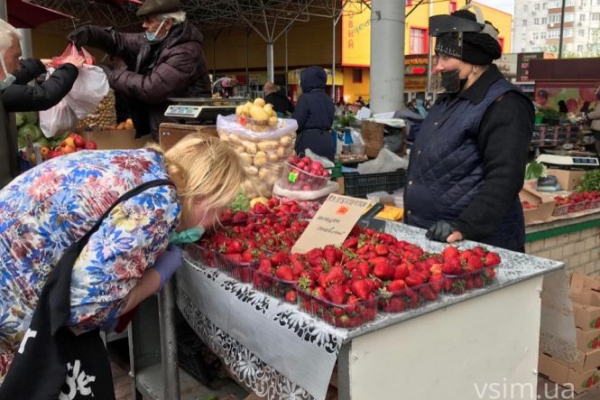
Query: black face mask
[{"x": 451, "y": 81}]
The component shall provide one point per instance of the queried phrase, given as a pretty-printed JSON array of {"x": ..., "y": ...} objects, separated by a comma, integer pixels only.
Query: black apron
[
  {"x": 52, "y": 363},
  {"x": 319, "y": 141}
]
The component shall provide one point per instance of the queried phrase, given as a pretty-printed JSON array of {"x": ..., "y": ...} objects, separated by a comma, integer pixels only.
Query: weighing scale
[
  {"x": 568, "y": 161},
  {"x": 194, "y": 115}
]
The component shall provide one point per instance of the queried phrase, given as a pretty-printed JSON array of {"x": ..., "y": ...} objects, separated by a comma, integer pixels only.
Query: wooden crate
[{"x": 116, "y": 139}]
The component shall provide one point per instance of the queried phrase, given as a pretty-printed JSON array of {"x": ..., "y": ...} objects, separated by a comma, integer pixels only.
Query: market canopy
[{"x": 22, "y": 14}]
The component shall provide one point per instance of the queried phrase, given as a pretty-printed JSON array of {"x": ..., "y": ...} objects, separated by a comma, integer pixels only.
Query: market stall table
[{"x": 449, "y": 349}]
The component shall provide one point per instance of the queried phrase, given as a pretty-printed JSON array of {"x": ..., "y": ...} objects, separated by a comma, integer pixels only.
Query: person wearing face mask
[
  {"x": 131, "y": 255},
  {"x": 594, "y": 118},
  {"x": 165, "y": 61},
  {"x": 468, "y": 163},
  {"x": 17, "y": 95}
]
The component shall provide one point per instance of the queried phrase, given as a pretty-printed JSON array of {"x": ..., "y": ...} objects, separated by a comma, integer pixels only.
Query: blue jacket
[
  {"x": 315, "y": 109},
  {"x": 460, "y": 172}
]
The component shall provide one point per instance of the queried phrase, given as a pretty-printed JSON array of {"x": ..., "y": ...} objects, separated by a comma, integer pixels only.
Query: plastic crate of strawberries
[
  {"x": 278, "y": 275},
  {"x": 202, "y": 251},
  {"x": 276, "y": 208},
  {"x": 468, "y": 269},
  {"x": 303, "y": 174},
  {"x": 239, "y": 258}
]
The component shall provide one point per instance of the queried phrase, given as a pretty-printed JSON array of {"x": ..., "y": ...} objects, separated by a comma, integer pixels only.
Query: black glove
[
  {"x": 440, "y": 231},
  {"x": 79, "y": 37}
]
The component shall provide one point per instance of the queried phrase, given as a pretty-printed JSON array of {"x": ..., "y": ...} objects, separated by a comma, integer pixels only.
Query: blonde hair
[{"x": 204, "y": 168}]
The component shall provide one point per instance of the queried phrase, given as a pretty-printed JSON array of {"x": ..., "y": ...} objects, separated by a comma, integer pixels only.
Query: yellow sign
[
  {"x": 294, "y": 77},
  {"x": 356, "y": 36}
]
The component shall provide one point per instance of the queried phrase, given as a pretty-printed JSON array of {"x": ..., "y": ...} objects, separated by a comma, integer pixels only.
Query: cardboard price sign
[{"x": 332, "y": 223}]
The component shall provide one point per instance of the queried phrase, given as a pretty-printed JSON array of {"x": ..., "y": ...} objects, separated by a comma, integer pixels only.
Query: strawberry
[
  {"x": 240, "y": 217},
  {"x": 479, "y": 251},
  {"x": 298, "y": 267},
  {"x": 357, "y": 274},
  {"x": 427, "y": 294},
  {"x": 394, "y": 305},
  {"x": 265, "y": 267},
  {"x": 360, "y": 289},
  {"x": 465, "y": 255},
  {"x": 383, "y": 271},
  {"x": 250, "y": 255},
  {"x": 381, "y": 250},
  {"x": 396, "y": 286},
  {"x": 285, "y": 273},
  {"x": 378, "y": 260},
  {"x": 364, "y": 268},
  {"x": 437, "y": 282},
  {"x": 401, "y": 271},
  {"x": 414, "y": 279},
  {"x": 435, "y": 269},
  {"x": 235, "y": 258},
  {"x": 474, "y": 263},
  {"x": 350, "y": 243},
  {"x": 452, "y": 266},
  {"x": 279, "y": 257},
  {"x": 260, "y": 209},
  {"x": 319, "y": 293},
  {"x": 336, "y": 293},
  {"x": 491, "y": 259},
  {"x": 291, "y": 296},
  {"x": 234, "y": 246},
  {"x": 335, "y": 275},
  {"x": 450, "y": 252}
]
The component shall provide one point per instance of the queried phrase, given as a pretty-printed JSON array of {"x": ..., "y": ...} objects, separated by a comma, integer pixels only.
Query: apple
[
  {"x": 79, "y": 141},
  {"x": 68, "y": 142},
  {"x": 68, "y": 149},
  {"x": 45, "y": 152},
  {"x": 91, "y": 145}
]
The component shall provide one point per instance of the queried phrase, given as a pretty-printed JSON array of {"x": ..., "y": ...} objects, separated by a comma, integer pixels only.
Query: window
[
  {"x": 581, "y": 33},
  {"x": 582, "y": 17},
  {"x": 555, "y": 18},
  {"x": 452, "y": 6},
  {"x": 525, "y": 8},
  {"x": 583, "y": 3},
  {"x": 567, "y": 32},
  {"x": 418, "y": 41},
  {"x": 544, "y": 6},
  {"x": 543, "y": 35},
  {"x": 580, "y": 48},
  {"x": 544, "y": 20},
  {"x": 595, "y": 16},
  {"x": 536, "y": 21},
  {"x": 537, "y": 6},
  {"x": 524, "y": 22},
  {"x": 357, "y": 75},
  {"x": 536, "y": 36}
]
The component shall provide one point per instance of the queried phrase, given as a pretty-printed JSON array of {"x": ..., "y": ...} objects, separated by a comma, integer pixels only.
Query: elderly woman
[
  {"x": 49, "y": 208},
  {"x": 468, "y": 163}
]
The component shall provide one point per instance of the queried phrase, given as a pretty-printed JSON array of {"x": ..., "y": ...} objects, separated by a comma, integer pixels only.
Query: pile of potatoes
[
  {"x": 257, "y": 116},
  {"x": 263, "y": 160},
  {"x": 103, "y": 117}
]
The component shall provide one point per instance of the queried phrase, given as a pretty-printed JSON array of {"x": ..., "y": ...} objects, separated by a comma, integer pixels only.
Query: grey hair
[
  {"x": 7, "y": 34},
  {"x": 178, "y": 17}
]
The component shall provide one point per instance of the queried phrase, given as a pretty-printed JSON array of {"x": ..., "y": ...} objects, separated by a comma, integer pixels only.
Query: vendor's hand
[
  {"x": 79, "y": 37},
  {"x": 47, "y": 62},
  {"x": 443, "y": 231},
  {"x": 167, "y": 263},
  {"x": 77, "y": 61}
]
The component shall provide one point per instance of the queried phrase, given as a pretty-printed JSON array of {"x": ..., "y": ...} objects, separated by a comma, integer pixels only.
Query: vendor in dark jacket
[
  {"x": 16, "y": 95},
  {"x": 281, "y": 104},
  {"x": 314, "y": 113},
  {"x": 468, "y": 163},
  {"x": 165, "y": 61}
]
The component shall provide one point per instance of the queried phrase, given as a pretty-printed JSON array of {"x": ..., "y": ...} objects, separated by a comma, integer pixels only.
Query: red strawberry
[
  {"x": 414, "y": 279},
  {"x": 291, "y": 296},
  {"x": 474, "y": 263},
  {"x": 465, "y": 255},
  {"x": 356, "y": 274},
  {"x": 361, "y": 289},
  {"x": 240, "y": 217},
  {"x": 351, "y": 243},
  {"x": 452, "y": 266},
  {"x": 336, "y": 293},
  {"x": 298, "y": 267},
  {"x": 396, "y": 286},
  {"x": 381, "y": 250},
  {"x": 280, "y": 258},
  {"x": 395, "y": 305},
  {"x": 491, "y": 259},
  {"x": 364, "y": 268},
  {"x": 383, "y": 271},
  {"x": 260, "y": 208},
  {"x": 437, "y": 283},
  {"x": 427, "y": 294},
  {"x": 235, "y": 258},
  {"x": 450, "y": 252},
  {"x": 319, "y": 293},
  {"x": 234, "y": 246},
  {"x": 401, "y": 271},
  {"x": 479, "y": 251},
  {"x": 285, "y": 273}
]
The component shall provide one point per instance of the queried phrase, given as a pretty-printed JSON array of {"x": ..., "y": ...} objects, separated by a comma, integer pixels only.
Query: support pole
[
  {"x": 270, "y": 63},
  {"x": 3, "y": 10},
  {"x": 248, "y": 32},
  {"x": 26, "y": 43},
  {"x": 430, "y": 90},
  {"x": 387, "y": 55},
  {"x": 562, "y": 29},
  {"x": 286, "y": 62},
  {"x": 168, "y": 341},
  {"x": 333, "y": 24}
]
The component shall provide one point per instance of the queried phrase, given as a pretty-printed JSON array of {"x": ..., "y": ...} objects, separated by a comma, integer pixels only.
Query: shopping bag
[
  {"x": 88, "y": 90},
  {"x": 72, "y": 51},
  {"x": 57, "y": 119}
]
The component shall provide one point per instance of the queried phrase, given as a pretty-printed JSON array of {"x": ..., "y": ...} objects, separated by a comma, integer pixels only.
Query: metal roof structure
[{"x": 267, "y": 17}]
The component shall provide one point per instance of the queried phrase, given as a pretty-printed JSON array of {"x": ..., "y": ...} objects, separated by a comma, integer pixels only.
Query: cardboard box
[
  {"x": 560, "y": 373},
  {"x": 568, "y": 179},
  {"x": 587, "y": 318},
  {"x": 586, "y": 361},
  {"x": 582, "y": 283},
  {"x": 588, "y": 340},
  {"x": 372, "y": 134},
  {"x": 585, "y": 293},
  {"x": 545, "y": 205},
  {"x": 116, "y": 139}
]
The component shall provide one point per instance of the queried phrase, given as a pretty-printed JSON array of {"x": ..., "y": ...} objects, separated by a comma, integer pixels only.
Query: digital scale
[
  {"x": 565, "y": 161},
  {"x": 194, "y": 115}
]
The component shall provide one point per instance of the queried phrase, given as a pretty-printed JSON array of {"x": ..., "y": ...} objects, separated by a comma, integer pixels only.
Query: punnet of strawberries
[
  {"x": 468, "y": 269},
  {"x": 576, "y": 202},
  {"x": 273, "y": 208}
]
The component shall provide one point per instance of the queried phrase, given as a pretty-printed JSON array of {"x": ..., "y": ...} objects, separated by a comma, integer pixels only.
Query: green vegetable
[
  {"x": 591, "y": 181},
  {"x": 30, "y": 118},
  {"x": 534, "y": 170},
  {"x": 20, "y": 119},
  {"x": 28, "y": 130},
  {"x": 43, "y": 142},
  {"x": 241, "y": 203}
]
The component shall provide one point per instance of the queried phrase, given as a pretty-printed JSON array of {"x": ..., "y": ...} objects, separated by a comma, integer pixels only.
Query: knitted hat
[{"x": 477, "y": 48}]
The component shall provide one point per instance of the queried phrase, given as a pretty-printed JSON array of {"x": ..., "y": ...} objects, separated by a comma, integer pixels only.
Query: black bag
[{"x": 52, "y": 363}]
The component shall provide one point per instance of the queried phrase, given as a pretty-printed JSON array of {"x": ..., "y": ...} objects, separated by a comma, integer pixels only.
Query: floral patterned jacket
[{"x": 45, "y": 210}]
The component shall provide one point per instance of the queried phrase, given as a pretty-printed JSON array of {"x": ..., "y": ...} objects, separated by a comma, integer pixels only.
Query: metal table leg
[{"x": 168, "y": 341}]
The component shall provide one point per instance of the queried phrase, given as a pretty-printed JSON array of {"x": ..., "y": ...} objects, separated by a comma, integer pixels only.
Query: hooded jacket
[
  {"x": 173, "y": 67},
  {"x": 315, "y": 109}
]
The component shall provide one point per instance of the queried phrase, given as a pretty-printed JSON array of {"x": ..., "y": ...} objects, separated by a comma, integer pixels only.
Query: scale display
[
  {"x": 568, "y": 161},
  {"x": 183, "y": 111}
]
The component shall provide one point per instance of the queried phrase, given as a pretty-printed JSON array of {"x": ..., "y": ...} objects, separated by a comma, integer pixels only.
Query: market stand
[{"x": 275, "y": 349}]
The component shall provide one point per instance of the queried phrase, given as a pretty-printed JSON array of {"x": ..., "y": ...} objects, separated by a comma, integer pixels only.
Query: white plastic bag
[
  {"x": 306, "y": 195},
  {"x": 386, "y": 161},
  {"x": 230, "y": 126},
  {"x": 88, "y": 91},
  {"x": 58, "y": 118}
]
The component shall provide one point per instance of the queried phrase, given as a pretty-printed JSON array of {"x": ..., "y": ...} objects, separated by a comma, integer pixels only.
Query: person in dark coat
[
  {"x": 467, "y": 164},
  {"x": 314, "y": 113},
  {"x": 281, "y": 104},
  {"x": 16, "y": 95},
  {"x": 165, "y": 61}
]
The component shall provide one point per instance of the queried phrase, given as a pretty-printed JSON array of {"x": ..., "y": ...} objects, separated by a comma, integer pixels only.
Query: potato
[
  {"x": 235, "y": 139},
  {"x": 250, "y": 147},
  {"x": 252, "y": 171},
  {"x": 259, "y": 102},
  {"x": 286, "y": 141},
  {"x": 264, "y": 173},
  {"x": 239, "y": 110},
  {"x": 272, "y": 157},
  {"x": 260, "y": 159},
  {"x": 247, "y": 108},
  {"x": 282, "y": 153},
  {"x": 271, "y": 179},
  {"x": 268, "y": 145},
  {"x": 269, "y": 110},
  {"x": 273, "y": 121},
  {"x": 247, "y": 158},
  {"x": 258, "y": 114},
  {"x": 247, "y": 186}
]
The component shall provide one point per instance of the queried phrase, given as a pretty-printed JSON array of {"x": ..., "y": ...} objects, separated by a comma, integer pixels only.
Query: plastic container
[
  {"x": 460, "y": 284},
  {"x": 293, "y": 178},
  {"x": 595, "y": 203},
  {"x": 338, "y": 315},
  {"x": 561, "y": 210},
  {"x": 239, "y": 270},
  {"x": 358, "y": 185},
  {"x": 357, "y": 149},
  {"x": 275, "y": 287},
  {"x": 577, "y": 207},
  {"x": 409, "y": 298},
  {"x": 202, "y": 253}
]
